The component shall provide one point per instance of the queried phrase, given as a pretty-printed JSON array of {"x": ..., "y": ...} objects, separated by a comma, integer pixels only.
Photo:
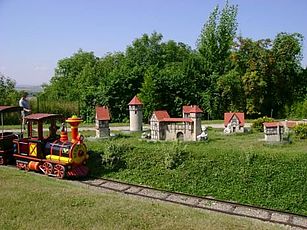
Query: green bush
[
  {"x": 112, "y": 158},
  {"x": 301, "y": 131},
  {"x": 298, "y": 110},
  {"x": 43, "y": 105},
  {"x": 258, "y": 123},
  {"x": 175, "y": 156},
  {"x": 236, "y": 167}
]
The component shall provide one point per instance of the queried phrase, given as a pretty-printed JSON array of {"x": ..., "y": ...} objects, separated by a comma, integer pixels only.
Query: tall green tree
[
  {"x": 271, "y": 73},
  {"x": 65, "y": 84},
  {"x": 287, "y": 53},
  {"x": 215, "y": 44},
  {"x": 254, "y": 61},
  {"x": 149, "y": 94},
  {"x": 9, "y": 95},
  {"x": 216, "y": 39}
]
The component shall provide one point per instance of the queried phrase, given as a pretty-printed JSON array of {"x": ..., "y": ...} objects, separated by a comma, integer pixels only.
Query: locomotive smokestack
[
  {"x": 64, "y": 136},
  {"x": 74, "y": 122}
]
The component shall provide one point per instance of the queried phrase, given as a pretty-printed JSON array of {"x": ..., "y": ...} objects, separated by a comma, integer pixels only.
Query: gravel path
[{"x": 208, "y": 203}]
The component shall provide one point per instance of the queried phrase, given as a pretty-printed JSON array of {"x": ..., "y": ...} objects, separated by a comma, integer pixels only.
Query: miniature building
[
  {"x": 289, "y": 125},
  {"x": 233, "y": 122},
  {"x": 187, "y": 128},
  {"x": 136, "y": 114},
  {"x": 102, "y": 121},
  {"x": 273, "y": 131},
  {"x": 279, "y": 131}
]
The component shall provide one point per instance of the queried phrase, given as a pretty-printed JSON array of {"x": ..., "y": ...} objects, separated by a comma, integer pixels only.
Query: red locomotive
[{"x": 50, "y": 153}]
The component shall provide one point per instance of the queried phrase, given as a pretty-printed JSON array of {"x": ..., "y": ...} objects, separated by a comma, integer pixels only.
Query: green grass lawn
[
  {"x": 31, "y": 201},
  {"x": 238, "y": 167}
]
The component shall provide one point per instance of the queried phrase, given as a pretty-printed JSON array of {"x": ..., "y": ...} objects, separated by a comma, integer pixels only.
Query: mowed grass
[
  {"x": 30, "y": 201},
  {"x": 241, "y": 168}
]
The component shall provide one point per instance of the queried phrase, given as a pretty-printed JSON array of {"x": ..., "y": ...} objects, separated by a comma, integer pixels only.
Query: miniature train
[{"x": 52, "y": 154}]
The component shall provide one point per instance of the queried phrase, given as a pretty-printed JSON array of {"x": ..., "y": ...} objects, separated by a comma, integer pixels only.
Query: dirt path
[{"x": 126, "y": 128}]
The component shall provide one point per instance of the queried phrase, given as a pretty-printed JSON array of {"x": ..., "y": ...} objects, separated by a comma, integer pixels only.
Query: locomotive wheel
[
  {"x": 59, "y": 171},
  {"x": 27, "y": 167},
  {"x": 48, "y": 168},
  {"x": 19, "y": 165}
]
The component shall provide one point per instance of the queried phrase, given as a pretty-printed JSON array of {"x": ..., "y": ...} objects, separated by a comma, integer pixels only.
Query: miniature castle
[
  {"x": 136, "y": 114},
  {"x": 102, "y": 122},
  {"x": 187, "y": 128}
]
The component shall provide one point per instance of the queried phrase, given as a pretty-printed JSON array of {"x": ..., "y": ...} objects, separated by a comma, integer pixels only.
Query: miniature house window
[
  {"x": 271, "y": 130},
  {"x": 234, "y": 121},
  {"x": 102, "y": 124}
]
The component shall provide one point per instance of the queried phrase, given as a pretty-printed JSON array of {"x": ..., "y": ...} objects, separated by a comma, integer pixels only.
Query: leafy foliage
[
  {"x": 258, "y": 123},
  {"x": 214, "y": 45},
  {"x": 176, "y": 156},
  {"x": 112, "y": 157},
  {"x": 299, "y": 109},
  {"x": 9, "y": 96},
  {"x": 301, "y": 131},
  {"x": 224, "y": 73},
  {"x": 236, "y": 167}
]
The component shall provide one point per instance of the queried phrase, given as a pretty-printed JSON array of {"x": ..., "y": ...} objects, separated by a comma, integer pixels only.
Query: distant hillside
[{"x": 31, "y": 89}]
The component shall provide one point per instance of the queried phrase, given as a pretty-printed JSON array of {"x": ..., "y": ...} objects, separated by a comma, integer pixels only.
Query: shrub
[
  {"x": 298, "y": 110},
  {"x": 66, "y": 108},
  {"x": 301, "y": 131},
  {"x": 258, "y": 123},
  {"x": 175, "y": 156},
  {"x": 112, "y": 158}
]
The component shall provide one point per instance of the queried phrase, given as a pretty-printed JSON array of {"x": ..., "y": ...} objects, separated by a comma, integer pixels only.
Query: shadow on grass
[
  {"x": 94, "y": 164},
  {"x": 98, "y": 169}
]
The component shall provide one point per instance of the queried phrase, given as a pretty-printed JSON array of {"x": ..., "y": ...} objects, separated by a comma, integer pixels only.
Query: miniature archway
[{"x": 180, "y": 136}]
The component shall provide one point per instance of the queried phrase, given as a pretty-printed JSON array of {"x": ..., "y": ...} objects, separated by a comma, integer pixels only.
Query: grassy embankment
[
  {"x": 37, "y": 202},
  {"x": 236, "y": 167}
]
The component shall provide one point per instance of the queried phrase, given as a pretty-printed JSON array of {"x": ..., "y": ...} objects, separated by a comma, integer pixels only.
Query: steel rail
[{"x": 201, "y": 202}]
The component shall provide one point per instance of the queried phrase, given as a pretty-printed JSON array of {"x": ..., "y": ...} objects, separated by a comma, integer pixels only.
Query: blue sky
[{"x": 35, "y": 34}]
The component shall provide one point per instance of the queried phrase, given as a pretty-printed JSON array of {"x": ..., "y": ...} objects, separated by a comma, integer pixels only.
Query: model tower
[
  {"x": 136, "y": 114},
  {"x": 102, "y": 122},
  {"x": 195, "y": 114}
]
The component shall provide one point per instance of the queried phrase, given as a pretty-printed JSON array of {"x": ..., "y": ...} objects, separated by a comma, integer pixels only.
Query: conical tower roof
[{"x": 135, "y": 101}]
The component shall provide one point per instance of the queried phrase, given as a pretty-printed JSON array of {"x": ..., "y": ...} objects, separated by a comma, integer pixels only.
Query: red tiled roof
[
  {"x": 135, "y": 101},
  {"x": 272, "y": 124},
  {"x": 102, "y": 113},
  {"x": 291, "y": 124},
  {"x": 228, "y": 117},
  {"x": 171, "y": 119},
  {"x": 161, "y": 114},
  {"x": 8, "y": 108},
  {"x": 191, "y": 109}
]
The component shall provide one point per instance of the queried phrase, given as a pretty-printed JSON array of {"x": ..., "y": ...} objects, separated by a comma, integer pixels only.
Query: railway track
[
  {"x": 292, "y": 220},
  {"x": 269, "y": 215}
]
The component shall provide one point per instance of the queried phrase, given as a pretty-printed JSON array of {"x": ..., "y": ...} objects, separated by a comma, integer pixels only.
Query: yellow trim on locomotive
[
  {"x": 62, "y": 160},
  {"x": 33, "y": 149},
  {"x": 78, "y": 153}
]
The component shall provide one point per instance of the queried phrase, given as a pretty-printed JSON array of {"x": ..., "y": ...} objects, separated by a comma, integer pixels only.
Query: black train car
[{"x": 6, "y": 138}]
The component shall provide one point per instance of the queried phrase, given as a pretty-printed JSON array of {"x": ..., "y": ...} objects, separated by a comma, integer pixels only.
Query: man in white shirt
[{"x": 24, "y": 103}]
